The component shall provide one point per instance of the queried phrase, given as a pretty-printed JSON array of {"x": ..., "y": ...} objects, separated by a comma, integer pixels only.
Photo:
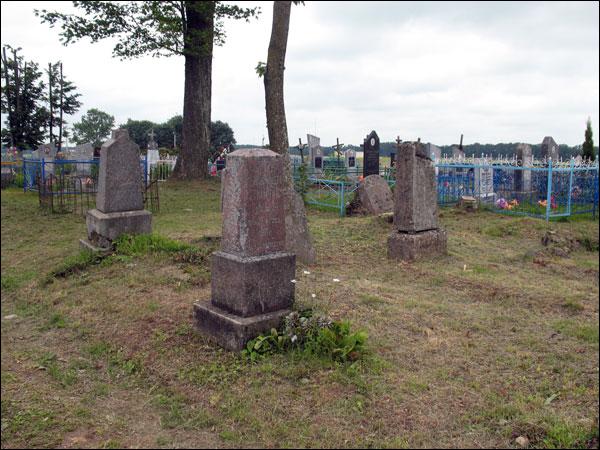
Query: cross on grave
[
  {"x": 301, "y": 148},
  {"x": 338, "y": 148}
]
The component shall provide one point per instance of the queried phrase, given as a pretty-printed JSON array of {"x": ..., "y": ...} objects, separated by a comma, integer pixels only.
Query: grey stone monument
[
  {"x": 416, "y": 233},
  {"x": 484, "y": 181},
  {"x": 251, "y": 282},
  {"x": 119, "y": 201},
  {"x": 315, "y": 153},
  {"x": 522, "y": 177},
  {"x": 371, "y": 155},
  {"x": 373, "y": 196},
  {"x": 550, "y": 149}
]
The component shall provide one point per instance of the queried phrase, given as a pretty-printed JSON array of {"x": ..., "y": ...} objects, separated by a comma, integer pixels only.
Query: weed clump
[{"x": 310, "y": 334}]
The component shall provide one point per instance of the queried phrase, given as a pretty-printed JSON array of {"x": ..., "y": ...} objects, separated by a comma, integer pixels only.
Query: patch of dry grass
[{"x": 495, "y": 340}]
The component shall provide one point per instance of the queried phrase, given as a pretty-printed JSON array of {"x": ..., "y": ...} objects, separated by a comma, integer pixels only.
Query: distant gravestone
[
  {"x": 484, "y": 180},
  {"x": 371, "y": 155},
  {"x": 522, "y": 177},
  {"x": 350, "y": 163},
  {"x": 416, "y": 233},
  {"x": 550, "y": 149},
  {"x": 83, "y": 152},
  {"x": 251, "y": 277},
  {"x": 373, "y": 196},
  {"x": 119, "y": 201},
  {"x": 315, "y": 153}
]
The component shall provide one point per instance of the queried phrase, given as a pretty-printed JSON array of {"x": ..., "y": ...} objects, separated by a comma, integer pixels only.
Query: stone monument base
[
  {"x": 230, "y": 331},
  {"x": 103, "y": 228},
  {"x": 249, "y": 286},
  {"x": 409, "y": 247}
]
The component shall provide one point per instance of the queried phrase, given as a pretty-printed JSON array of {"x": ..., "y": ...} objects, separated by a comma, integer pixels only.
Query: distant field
[{"x": 499, "y": 339}]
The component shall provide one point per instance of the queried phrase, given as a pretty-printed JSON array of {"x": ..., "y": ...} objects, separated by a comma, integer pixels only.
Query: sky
[{"x": 495, "y": 72}]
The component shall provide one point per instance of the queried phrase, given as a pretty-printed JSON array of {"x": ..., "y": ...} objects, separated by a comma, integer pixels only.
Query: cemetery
[{"x": 164, "y": 286}]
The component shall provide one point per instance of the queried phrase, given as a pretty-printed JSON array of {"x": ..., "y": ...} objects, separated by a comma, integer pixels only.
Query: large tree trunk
[
  {"x": 192, "y": 162},
  {"x": 297, "y": 236}
]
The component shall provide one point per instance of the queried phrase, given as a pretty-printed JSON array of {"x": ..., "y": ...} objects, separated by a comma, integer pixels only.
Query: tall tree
[
  {"x": 298, "y": 238},
  {"x": 587, "y": 148},
  {"x": 95, "y": 127},
  {"x": 163, "y": 28},
  {"x": 22, "y": 101},
  {"x": 63, "y": 99}
]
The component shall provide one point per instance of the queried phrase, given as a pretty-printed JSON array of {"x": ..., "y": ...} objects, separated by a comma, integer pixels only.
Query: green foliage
[
  {"x": 310, "y": 334},
  {"x": 220, "y": 132},
  {"x": 75, "y": 264},
  {"x": 587, "y": 149},
  {"x": 261, "y": 69},
  {"x": 64, "y": 98},
  {"x": 302, "y": 181},
  {"x": 95, "y": 127},
  {"x": 142, "y": 244},
  {"x": 22, "y": 101},
  {"x": 155, "y": 28}
]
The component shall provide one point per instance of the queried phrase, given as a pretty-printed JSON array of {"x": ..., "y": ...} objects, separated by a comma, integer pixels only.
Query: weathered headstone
[
  {"x": 371, "y": 155},
  {"x": 119, "y": 201},
  {"x": 251, "y": 278},
  {"x": 373, "y": 196},
  {"x": 522, "y": 177},
  {"x": 484, "y": 180},
  {"x": 435, "y": 154},
  {"x": 83, "y": 152},
  {"x": 315, "y": 153},
  {"x": 550, "y": 149},
  {"x": 416, "y": 233}
]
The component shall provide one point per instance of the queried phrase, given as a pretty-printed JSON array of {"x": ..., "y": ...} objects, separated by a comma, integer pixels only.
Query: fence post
[
  {"x": 549, "y": 193},
  {"x": 43, "y": 171},
  {"x": 570, "y": 186},
  {"x": 342, "y": 200}
]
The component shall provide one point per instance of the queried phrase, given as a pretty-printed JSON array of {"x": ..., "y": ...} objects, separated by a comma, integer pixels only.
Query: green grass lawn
[{"x": 496, "y": 340}]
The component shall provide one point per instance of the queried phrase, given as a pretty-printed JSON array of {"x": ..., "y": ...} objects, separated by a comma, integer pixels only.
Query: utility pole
[
  {"x": 50, "y": 98},
  {"x": 60, "y": 124}
]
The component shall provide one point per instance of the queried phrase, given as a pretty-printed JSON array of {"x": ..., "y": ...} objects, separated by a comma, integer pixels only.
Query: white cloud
[{"x": 497, "y": 72}]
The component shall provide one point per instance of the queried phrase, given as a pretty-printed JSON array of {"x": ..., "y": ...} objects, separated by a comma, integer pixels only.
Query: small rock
[
  {"x": 10, "y": 317},
  {"x": 522, "y": 441},
  {"x": 304, "y": 381}
]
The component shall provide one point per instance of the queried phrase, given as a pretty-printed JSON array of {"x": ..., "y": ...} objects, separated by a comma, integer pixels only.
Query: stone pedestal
[
  {"x": 251, "y": 278},
  {"x": 103, "y": 228},
  {"x": 416, "y": 233},
  {"x": 412, "y": 246}
]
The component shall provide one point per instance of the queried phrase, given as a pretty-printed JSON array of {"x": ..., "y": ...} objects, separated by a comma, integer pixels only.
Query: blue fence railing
[
  {"x": 545, "y": 191},
  {"x": 38, "y": 170}
]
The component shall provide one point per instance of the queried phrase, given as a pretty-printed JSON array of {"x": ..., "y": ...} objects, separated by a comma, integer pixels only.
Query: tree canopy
[{"x": 95, "y": 127}]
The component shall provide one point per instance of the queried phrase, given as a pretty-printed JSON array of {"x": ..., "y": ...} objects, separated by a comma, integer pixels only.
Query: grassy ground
[{"x": 496, "y": 340}]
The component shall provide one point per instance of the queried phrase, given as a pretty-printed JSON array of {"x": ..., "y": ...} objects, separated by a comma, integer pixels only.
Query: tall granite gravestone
[
  {"x": 119, "y": 201},
  {"x": 550, "y": 149},
  {"x": 416, "y": 233},
  {"x": 251, "y": 281},
  {"x": 315, "y": 152},
  {"x": 371, "y": 155},
  {"x": 522, "y": 177}
]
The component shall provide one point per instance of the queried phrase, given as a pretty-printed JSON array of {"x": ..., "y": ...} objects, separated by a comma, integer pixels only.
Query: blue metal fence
[
  {"x": 545, "y": 190},
  {"x": 36, "y": 171}
]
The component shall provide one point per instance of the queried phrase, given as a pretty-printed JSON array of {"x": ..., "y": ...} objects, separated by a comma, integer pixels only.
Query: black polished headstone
[
  {"x": 371, "y": 155},
  {"x": 392, "y": 159}
]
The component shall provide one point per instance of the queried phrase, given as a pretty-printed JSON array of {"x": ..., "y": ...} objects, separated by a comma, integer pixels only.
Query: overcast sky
[{"x": 497, "y": 72}]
